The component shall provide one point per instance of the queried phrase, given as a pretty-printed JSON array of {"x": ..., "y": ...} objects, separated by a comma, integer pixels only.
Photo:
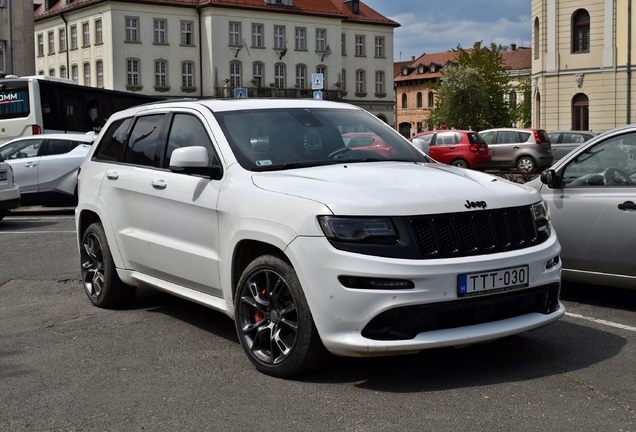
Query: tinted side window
[
  {"x": 524, "y": 136},
  {"x": 475, "y": 138},
  {"x": 21, "y": 149},
  {"x": 445, "y": 138},
  {"x": 186, "y": 131},
  {"x": 111, "y": 147},
  {"x": 144, "y": 140},
  {"x": 506, "y": 137},
  {"x": 487, "y": 136},
  {"x": 56, "y": 146}
]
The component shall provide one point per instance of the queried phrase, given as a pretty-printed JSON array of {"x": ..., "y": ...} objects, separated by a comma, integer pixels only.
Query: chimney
[
  {"x": 513, "y": 47},
  {"x": 412, "y": 58},
  {"x": 477, "y": 45}
]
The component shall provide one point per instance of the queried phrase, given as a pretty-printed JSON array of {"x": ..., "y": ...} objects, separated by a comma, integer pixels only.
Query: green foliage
[
  {"x": 523, "y": 110},
  {"x": 473, "y": 94}
]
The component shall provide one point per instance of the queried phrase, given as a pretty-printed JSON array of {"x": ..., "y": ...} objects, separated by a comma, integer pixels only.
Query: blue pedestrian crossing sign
[
  {"x": 318, "y": 95},
  {"x": 316, "y": 81},
  {"x": 240, "y": 93}
]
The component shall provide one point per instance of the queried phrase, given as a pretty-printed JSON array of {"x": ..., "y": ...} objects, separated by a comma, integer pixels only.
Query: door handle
[
  {"x": 452, "y": 147},
  {"x": 516, "y": 147},
  {"x": 627, "y": 205},
  {"x": 112, "y": 175},
  {"x": 159, "y": 184},
  {"x": 30, "y": 164}
]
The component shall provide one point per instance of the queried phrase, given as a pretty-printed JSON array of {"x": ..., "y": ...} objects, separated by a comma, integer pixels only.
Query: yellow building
[{"x": 582, "y": 62}]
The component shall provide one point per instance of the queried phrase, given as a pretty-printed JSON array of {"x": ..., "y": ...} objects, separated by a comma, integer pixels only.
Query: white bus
[{"x": 43, "y": 104}]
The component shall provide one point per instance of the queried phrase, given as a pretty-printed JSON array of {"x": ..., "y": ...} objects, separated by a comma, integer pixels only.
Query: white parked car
[
  {"x": 45, "y": 166},
  {"x": 256, "y": 208},
  {"x": 9, "y": 190}
]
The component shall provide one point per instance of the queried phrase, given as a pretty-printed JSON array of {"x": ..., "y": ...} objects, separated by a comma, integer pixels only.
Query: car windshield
[{"x": 271, "y": 139}]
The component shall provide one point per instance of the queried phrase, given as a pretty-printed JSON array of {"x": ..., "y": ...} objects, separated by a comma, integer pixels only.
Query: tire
[
  {"x": 99, "y": 276},
  {"x": 3, "y": 213},
  {"x": 526, "y": 164},
  {"x": 460, "y": 163},
  {"x": 273, "y": 320}
]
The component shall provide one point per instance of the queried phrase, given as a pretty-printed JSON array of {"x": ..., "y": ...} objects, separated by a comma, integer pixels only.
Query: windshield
[{"x": 269, "y": 139}]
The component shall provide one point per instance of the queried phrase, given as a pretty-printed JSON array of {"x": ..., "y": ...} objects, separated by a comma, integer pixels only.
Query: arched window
[
  {"x": 419, "y": 99},
  {"x": 431, "y": 99},
  {"x": 580, "y": 112},
  {"x": 537, "y": 111},
  {"x": 581, "y": 31},
  {"x": 258, "y": 79},
  {"x": 535, "y": 46},
  {"x": 404, "y": 101}
]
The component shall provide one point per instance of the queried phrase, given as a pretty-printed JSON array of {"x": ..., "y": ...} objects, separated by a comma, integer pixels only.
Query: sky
[{"x": 436, "y": 26}]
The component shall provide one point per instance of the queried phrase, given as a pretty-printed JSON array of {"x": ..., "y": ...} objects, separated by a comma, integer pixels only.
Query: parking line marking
[
  {"x": 36, "y": 232},
  {"x": 600, "y": 321}
]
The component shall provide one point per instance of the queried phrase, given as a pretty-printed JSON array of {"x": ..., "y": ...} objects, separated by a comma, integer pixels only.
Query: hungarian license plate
[
  {"x": 492, "y": 281},
  {"x": 3, "y": 175}
]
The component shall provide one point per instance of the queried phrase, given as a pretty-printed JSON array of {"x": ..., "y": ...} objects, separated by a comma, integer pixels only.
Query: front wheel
[
  {"x": 273, "y": 320},
  {"x": 99, "y": 276}
]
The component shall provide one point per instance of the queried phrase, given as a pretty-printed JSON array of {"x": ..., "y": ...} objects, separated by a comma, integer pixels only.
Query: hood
[{"x": 396, "y": 188}]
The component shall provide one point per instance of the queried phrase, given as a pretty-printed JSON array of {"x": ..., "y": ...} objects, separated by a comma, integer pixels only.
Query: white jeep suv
[{"x": 258, "y": 209}]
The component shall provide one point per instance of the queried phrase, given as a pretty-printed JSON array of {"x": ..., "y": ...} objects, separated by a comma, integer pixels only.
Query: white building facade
[{"x": 190, "y": 48}]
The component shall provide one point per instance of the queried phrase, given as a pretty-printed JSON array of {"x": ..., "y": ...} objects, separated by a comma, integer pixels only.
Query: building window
[
  {"x": 343, "y": 43},
  {"x": 75, "y": 74},
  {"x": 62, "y": 34},
  {"x": 405, "y": 102},
  {"x": 258, "y": 78},
  {"x": 86, "y": 35},
  {"x": 41, "y": 72},
  {"x": 379, "y": 46},
  {"x": 321, "y": 39},
  {"x": 360, "y": 82},
  {"x": 535, "y": 46},
  {"x": 419, "y": 99},
  {"x": 235, "y": 33},
  {"x": 379, "y": 83},
  {"x": 257, "y": 35},
  {"x": 581, "y": 31},
  {"x": 301, "y": 38},
  {"x": 279, "y": 76},
  {"x": 512, "y": 97},
  {"x": 279, "y": 37},
  {"x": 87, "y": 74},
  {"x": 431, "y": 99},
  {"x": 161, "y": 73},
  {"x": 186, "y": 33},
  {"x": 301, "y": 76},
  {"x": 3, "y": 49},
  {"x": 99, "y": 34},
  {"x": 580, "y": 112},
  {"x": 187, "y": 75},
  {"x": 132, "y": 73},
  {"x": 160, "y": 31},
  {"x": 40, "y": 45},
  {"x": 132, "y": 29},
  {"x": 321, "y": 69},
  {"x": 62, "y": 71},
  {"x": 73, "y": 37},
  {"x": 51, "y": 43},
  {"x": 344, "y": 81},
  {"x": 99, "y": 66},
  {"x": 360, "y": 46},
  {"x": 52, "y": 72},
  {"x": 235, "y": 74}
]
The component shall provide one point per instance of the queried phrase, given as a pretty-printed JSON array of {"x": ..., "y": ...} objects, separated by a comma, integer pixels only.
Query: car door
[
  {"x": 24, "y": 157},
  {"x": 444, "y": 148},
  {"x": 184, "y": 222},
  {"x": 59, "y": 163},
  {"x": 594, "y": 212}
]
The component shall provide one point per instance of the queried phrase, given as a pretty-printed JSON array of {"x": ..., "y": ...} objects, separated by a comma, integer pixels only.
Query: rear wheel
[
  {"x": 460, "y": 163},
  {"x": 273, "y": 321},
  {"x": 526, "y": 163},
  {"x": 99, "y": 276},
  {"x": 3, "y": 213}
]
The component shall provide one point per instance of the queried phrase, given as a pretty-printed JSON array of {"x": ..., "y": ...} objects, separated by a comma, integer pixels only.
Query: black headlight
[{"x": 378, "y": 230}]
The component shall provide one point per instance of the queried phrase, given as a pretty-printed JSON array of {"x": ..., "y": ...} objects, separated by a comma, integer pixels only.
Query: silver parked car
[
  {"x": 9, "y": 191},
  {"x": 523, "y": 149},
  {"x": 45, "y": 166},
  {"x": 564, "y": 142},
  {"x": 591, "y": 194}
]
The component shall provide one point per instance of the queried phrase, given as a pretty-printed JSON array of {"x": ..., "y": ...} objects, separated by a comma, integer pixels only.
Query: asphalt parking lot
[{"x": 162, "y": 363}]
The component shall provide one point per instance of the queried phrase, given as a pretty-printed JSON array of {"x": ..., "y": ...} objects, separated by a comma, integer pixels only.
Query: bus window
[{"x": 14, "y": 101}]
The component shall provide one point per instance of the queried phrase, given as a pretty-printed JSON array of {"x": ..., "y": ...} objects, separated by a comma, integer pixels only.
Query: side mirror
[
  {"x": 422, "y": 145},
  {"x": 193, "y": 160},
  {"x": 549, "y": 178}
]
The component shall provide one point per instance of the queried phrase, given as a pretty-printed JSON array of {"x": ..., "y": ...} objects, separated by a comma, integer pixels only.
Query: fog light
[
  {"x": 375, "y": 283},
  {"x": 552, "y": 262}
]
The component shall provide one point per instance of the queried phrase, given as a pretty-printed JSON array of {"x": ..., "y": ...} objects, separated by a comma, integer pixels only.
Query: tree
[
  {"x": 523, "y": 111},
  {"x": 484, "y": 73}
]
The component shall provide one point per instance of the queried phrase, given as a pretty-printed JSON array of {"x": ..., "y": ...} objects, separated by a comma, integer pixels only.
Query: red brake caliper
[{"x": 258, "y": 315}]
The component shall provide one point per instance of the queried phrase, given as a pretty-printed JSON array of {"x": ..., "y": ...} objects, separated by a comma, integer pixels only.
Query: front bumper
[
  {"x": 10, "y": 197},
  {"x": 342, "y": 314}
]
